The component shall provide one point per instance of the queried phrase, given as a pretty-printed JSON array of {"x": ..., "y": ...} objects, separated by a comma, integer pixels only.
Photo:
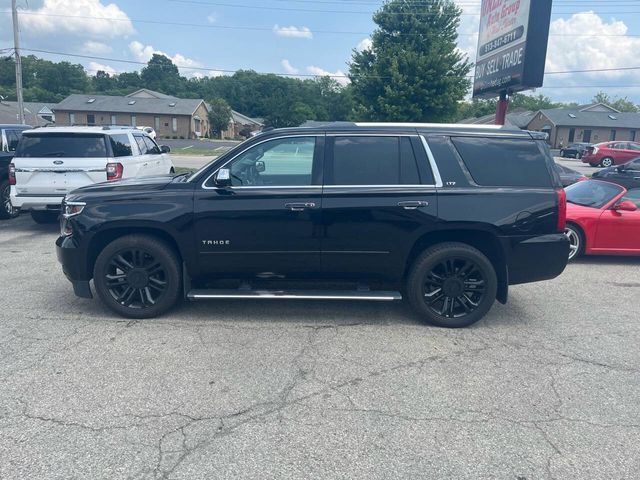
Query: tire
[
  {"x": 146, "y": 279},
  {"x": 576, "y": 240},
  {"x": 468, "y": 297},
  {"x": 606, "y": 162},
  {"x": 6, "y": 209},
  {"x": 44, "y": 217},
  {"x": 579, "y": 156}
]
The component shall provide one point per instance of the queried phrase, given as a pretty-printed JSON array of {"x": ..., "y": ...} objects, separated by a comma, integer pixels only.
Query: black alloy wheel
[
  {"x": 452, "y": 285},
  {"x": 138, "y": 276},
  {"x": 7, "y": 211}
]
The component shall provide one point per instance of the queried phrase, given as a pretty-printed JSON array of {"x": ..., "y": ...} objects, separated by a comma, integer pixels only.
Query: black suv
[
  {"x": 445, "y": 216},
  {"x": 9, "y": 136}
]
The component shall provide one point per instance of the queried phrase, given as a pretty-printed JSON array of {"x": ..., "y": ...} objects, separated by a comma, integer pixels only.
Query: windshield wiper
[{"x": 182, "y": 176}]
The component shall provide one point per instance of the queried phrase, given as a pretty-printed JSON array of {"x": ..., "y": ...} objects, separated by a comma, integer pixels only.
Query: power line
[
  {"x": 209, "y": 69},
  {"x": 271, "y": 29}
]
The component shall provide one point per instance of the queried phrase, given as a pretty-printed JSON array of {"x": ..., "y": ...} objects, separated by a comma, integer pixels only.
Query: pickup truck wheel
[
  {"x": 452, "y": 285},
  {"x": 43, "y": 217},
  {"x": 7, "y": 210},
  {"x": 138, "y": 276}
]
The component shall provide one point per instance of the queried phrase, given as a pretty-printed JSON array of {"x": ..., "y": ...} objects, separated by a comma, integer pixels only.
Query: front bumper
[
  {"x": 73, "y": 259},
  {"x": 537, "y": 258}
]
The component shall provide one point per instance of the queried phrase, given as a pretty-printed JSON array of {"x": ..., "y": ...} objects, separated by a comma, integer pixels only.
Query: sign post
[{"x": 512, "y": 49}]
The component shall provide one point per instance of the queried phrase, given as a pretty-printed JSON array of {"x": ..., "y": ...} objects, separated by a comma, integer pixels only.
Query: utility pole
[{"x": 16, "y": 47}]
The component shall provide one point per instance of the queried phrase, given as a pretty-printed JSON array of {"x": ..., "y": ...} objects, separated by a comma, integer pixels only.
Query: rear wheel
[
  {"x": 138, "y": 276},
  {"x": 43, "y": 217},
  {"x": 562, "y": 153},
  {"x": 452, "y": 285},
  {"x": 606, "y": 162},
  {"x": 576, "y": 240},
  {"x": 7, "y": 211}
]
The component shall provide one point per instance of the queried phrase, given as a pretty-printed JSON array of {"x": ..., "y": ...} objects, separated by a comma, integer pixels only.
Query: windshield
[
  {"x": 65, "y": 145},
  {"x": 593, "y": 193}
]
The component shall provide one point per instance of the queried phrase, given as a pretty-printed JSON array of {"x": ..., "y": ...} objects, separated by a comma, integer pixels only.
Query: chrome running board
[{"x": 370, "y": 295}]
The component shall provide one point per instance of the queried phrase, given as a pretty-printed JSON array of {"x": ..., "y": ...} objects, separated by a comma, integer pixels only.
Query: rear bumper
[
  {"x": 537, "y": 258},
  {"x": 35, "y": 202}
]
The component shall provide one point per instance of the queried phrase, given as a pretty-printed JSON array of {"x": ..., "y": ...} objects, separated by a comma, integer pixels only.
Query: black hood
[{"x": 123, "y": 188}]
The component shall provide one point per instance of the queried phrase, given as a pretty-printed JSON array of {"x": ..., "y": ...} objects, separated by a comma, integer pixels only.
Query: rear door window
[
  {"x": 62, "y": 145},
  {"x": 121, "y": 145},
  {"x": 371, "y": 160},
  {"x": 141, "y": 145},
  {"x": 502, "y": 162},
  {"x": 151, "y": 145}
]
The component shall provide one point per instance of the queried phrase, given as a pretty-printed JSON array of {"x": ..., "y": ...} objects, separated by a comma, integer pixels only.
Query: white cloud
[
  {"x": 143, "y": 53},
  {"x": 93, "y": 68},
  {"x": 293, "y": 32},
  {"x": 339, "y": 76},
  {"x": 92, "y": 47},
  {"x": 365, "y": 44},
  {"x": 57, "y": 17},
  {"x": 212, "y": 18},
  {"x": 288, "y": 68}
]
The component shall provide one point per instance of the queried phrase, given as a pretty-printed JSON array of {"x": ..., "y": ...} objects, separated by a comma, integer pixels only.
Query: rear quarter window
[
  {"x": 502, "y": 162},
  {"x": 121, "y": 145},
  {"x": 63, "y": 145}
]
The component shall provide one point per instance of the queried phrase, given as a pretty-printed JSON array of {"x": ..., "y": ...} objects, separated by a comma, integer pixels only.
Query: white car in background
[
  {"x": 51, "y": 162},
  {"x": 149, "y": 131}
]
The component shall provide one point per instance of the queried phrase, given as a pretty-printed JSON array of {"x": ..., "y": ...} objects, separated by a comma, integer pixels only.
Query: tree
[
  {"x": 219, "y": 115},
  {"x": 413, "y": 71},
  {"x": 622, "y": 104},
  {"x": 161, "y": 74}
]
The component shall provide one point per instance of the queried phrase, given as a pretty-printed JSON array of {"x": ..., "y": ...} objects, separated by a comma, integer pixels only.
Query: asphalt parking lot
[{"x": 545, "y": 387}]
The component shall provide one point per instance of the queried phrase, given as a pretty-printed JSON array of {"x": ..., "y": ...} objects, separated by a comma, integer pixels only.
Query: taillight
[
  {"x": 594, "y": 150},
  {"x": 12, "y": 174},
  {"x": 114, "y": 171},
  {"x": 583, "y": 179},
  {"x": 562, "y": 209}
]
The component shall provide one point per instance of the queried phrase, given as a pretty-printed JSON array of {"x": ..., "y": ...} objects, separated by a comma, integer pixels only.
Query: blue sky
[{"x": 283, "y": 39}]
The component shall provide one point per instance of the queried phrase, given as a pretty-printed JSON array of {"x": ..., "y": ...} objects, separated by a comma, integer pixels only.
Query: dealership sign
[{"x": 512, "y": 46}]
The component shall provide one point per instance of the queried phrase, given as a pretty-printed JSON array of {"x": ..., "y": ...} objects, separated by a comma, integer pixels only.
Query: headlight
[{"x": 71, "y": 209}]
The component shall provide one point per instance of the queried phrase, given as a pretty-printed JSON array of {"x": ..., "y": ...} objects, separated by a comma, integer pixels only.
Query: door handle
[
  {"x": 299, "y": 207},
  {"x": 412, "y": 205}
]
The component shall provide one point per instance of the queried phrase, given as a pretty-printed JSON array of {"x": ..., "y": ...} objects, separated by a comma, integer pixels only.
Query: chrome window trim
[
  {"x": 59, "y": 170},
  {"x": 398, "y": 185},
  {"x": 432, "y": 162},
  {"x": 306, "y": 135}
]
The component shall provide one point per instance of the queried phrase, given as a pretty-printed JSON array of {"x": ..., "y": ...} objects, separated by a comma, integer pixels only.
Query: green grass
[
  {"x": 192, "y": 152},
  {"x": 180, "y": 170}
]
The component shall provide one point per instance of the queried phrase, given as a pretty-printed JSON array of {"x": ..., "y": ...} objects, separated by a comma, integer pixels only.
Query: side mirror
[
  {"x": 626, "y": 206},
  {"x": 260, "y": 167},
  {"x": 165, "y": 149},
  {"x": 223, "y": 178}
]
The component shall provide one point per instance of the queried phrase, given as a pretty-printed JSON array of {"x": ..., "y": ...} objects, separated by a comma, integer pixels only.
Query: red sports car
[{"x": 603, "y": 218}]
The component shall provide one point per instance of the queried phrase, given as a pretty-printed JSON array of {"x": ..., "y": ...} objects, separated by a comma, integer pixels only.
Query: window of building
[
  {"x": 612, "y": 135},
  {"x": 91, "y": 119},
  {"x": 632, "y": 135},
  {"x": 373, "y": 161},
  {"x": 120, "y": 145},
  {"x": 572, "y": 135},
  {"x": 114, "y": 120},
  {"x": 72, "y": 118},
  {"x": 174, "y": 124},
  {"x": 501, "y": 162},
  {"x": 133, "y": 121},
  {"x": 156, "y": 123}
]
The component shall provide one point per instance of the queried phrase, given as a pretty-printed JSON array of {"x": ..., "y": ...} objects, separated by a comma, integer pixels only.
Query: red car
[
  {"x": 611, "y": 153},
  {"x": 603, "y": 218}
]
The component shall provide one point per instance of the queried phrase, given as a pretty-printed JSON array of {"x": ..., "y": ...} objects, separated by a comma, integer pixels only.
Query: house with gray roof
[
  {"x": 592, "y": 123},
  {"x": 168, "y": 116},
  {"x": 36, "y": 114}
]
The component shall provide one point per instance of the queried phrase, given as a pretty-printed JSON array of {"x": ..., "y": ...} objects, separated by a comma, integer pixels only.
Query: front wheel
[
  {"x": 452, "y": 285},
  {"x": 7, "y": 211},
  {"x": 138, "y": 276}
]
